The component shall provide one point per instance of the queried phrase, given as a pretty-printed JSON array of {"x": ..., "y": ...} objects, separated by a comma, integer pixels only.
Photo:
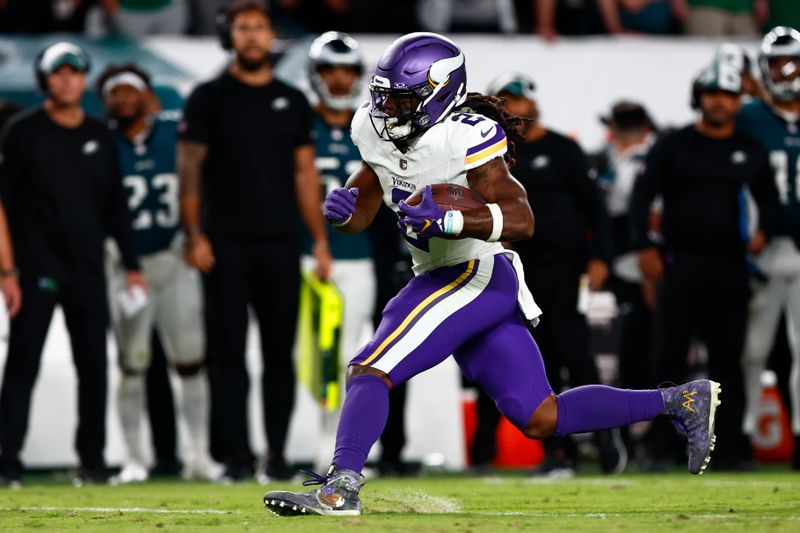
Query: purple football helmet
[{"x": 419, "y": 79}]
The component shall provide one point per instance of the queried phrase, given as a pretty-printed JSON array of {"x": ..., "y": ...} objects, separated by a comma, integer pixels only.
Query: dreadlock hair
[{"x": 492, "y": 107}]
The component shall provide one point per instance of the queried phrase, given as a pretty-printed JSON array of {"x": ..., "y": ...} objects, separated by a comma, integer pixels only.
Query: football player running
[
  {"x": 335, "y": 71},
  {"x": 776, "y": 123},
  {"x": 146, "y": 145},
  {"x": 468, "y": 298}
]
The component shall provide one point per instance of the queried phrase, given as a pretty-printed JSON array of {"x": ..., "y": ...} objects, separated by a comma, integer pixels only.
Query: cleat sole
[{"x": 715, "y": 402}]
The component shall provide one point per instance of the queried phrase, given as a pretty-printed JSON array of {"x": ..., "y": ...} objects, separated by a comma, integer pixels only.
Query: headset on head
[
  {"x": 225, "y": 16},
  {"x": 41, "y": 75}
]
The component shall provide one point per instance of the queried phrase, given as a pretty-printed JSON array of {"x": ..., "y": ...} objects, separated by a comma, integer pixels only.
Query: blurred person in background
[
  {"x": 567, "y": 17},
  {"x": 60, "y": 180},
  {"x": 562, "y": 192},
  {"x": 246, "y": 167},
  {"x": 299, "y": 17},
  {"x": 719, "y": 18},
  {"x": 467, "y": 16},
  {"x": 203, "y": 16},
  {"x": 775, "y": 122},
  {"x": 736, "y": 56},
  {"x": 138, "y": 18},
  {"x": 335, "y": 72},
  {"x": 146, "y": 145},
  {"x": 784, "y": 13},
  {"x": 48, "y": 16},
  {"x": 701, "y": 171},
  {"x": 631, "y": 133},
  {"x": 638, "y": 16}
]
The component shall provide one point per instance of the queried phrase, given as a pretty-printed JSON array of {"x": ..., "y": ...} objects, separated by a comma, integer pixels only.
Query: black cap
[{"x": 627, "y": 115}]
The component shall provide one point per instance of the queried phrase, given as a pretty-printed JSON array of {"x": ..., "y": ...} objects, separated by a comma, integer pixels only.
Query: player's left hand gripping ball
[
  {"x": 340, "y": 205},
  {"x": 426, "y": 218}
]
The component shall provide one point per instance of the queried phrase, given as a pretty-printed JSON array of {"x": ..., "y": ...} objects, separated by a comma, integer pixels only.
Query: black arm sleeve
[
  {"x": 120, "y": 217},
  {"x": 648, "y": 184},
  {"x": 765, "y": 193},
  {"x": 589, "y": 198}
]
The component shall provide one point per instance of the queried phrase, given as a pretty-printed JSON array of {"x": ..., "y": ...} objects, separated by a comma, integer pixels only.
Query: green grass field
[{"x": 762, "y": 501}]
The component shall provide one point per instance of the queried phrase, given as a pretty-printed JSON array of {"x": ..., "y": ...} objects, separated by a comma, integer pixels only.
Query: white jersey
[{"x": 443, "y": 154}]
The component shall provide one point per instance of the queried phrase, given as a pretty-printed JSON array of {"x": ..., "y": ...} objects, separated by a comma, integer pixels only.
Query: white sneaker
[{"x": 130, "y": 473}]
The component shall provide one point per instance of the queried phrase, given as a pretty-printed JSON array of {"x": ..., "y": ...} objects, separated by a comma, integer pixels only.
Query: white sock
[
  {"x": 194, "y": 404},
  {"x": 130, "y": 406}
]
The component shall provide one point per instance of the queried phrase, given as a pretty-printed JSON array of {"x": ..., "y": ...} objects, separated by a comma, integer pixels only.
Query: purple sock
[
  {"x": 364, "y": 414},
  {"x": 594, "y": 407}
]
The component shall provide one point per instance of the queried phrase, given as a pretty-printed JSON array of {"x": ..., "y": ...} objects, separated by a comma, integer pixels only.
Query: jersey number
[
  {"x": 780, "y": 164},
  {"x": 165, "y": 184},
  {"x": 420, "y": 243},
  {"x": 467, "y": 119}
]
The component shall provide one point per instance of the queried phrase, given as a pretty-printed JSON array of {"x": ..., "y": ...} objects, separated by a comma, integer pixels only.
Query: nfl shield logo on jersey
[{"x": 403, "y": 164}]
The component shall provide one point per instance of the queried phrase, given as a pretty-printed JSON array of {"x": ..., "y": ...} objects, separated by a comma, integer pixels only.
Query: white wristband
[
  {"x": 497, "y": 222},
  {"x": 453, "y": 223}
]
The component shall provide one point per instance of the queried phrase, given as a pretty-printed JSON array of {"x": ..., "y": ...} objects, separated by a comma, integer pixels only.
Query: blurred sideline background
[{"x": 576, "y": 80}]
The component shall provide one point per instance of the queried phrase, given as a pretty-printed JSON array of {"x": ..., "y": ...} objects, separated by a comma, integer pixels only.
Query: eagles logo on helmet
[
  {"x": 779, "y": 63},
  {"x": 717, "y": 77},
  {"x": 331, "y": 49}
]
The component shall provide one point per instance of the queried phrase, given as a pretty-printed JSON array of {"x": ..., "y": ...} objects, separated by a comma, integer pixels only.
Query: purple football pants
[{"x": 470, "y": 311}]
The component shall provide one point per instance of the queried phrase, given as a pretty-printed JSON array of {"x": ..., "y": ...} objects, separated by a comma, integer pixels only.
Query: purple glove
[
  {"x": 426, "y": 218},
  {"x": 340, "y": 205}
]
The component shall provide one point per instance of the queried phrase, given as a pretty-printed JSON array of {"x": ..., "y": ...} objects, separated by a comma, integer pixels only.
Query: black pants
[
  {"x": 563, "y": 333},
  {"x": 706, "y": 298},
  {"x": 563, "y": 338},
  {"x": 636, "y": 335},
  {"x": 86, "y": 313},
  {"x": 264, "y": 275}
]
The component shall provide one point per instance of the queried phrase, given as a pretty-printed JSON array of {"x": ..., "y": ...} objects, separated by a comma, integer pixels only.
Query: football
[{"x": 450, "y": 196}]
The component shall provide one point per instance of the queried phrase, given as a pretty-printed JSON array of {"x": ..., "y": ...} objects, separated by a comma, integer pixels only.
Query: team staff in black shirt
[
  {"x": 572, "y": 239},
  {"x": 61, "y": 184},
  {"x": 702, "y": 172},
  {"x": 246, "y": 165}
]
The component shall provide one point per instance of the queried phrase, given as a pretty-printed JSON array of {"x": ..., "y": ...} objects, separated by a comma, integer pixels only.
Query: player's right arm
[
  {"x": 192, "y": 153},
  {"x": 9, "y": 282},
  {"x": 647, "y": 186},
  {"x": 352, "y": 208}
]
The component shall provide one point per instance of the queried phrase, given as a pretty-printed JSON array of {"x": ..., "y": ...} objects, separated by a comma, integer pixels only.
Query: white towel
[{"x": 527, "y": 305}]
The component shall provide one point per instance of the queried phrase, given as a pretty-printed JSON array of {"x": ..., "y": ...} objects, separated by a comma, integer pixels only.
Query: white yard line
[
  {"x": 601, "y": 516},
  {"x": 119, "y": 510}
]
